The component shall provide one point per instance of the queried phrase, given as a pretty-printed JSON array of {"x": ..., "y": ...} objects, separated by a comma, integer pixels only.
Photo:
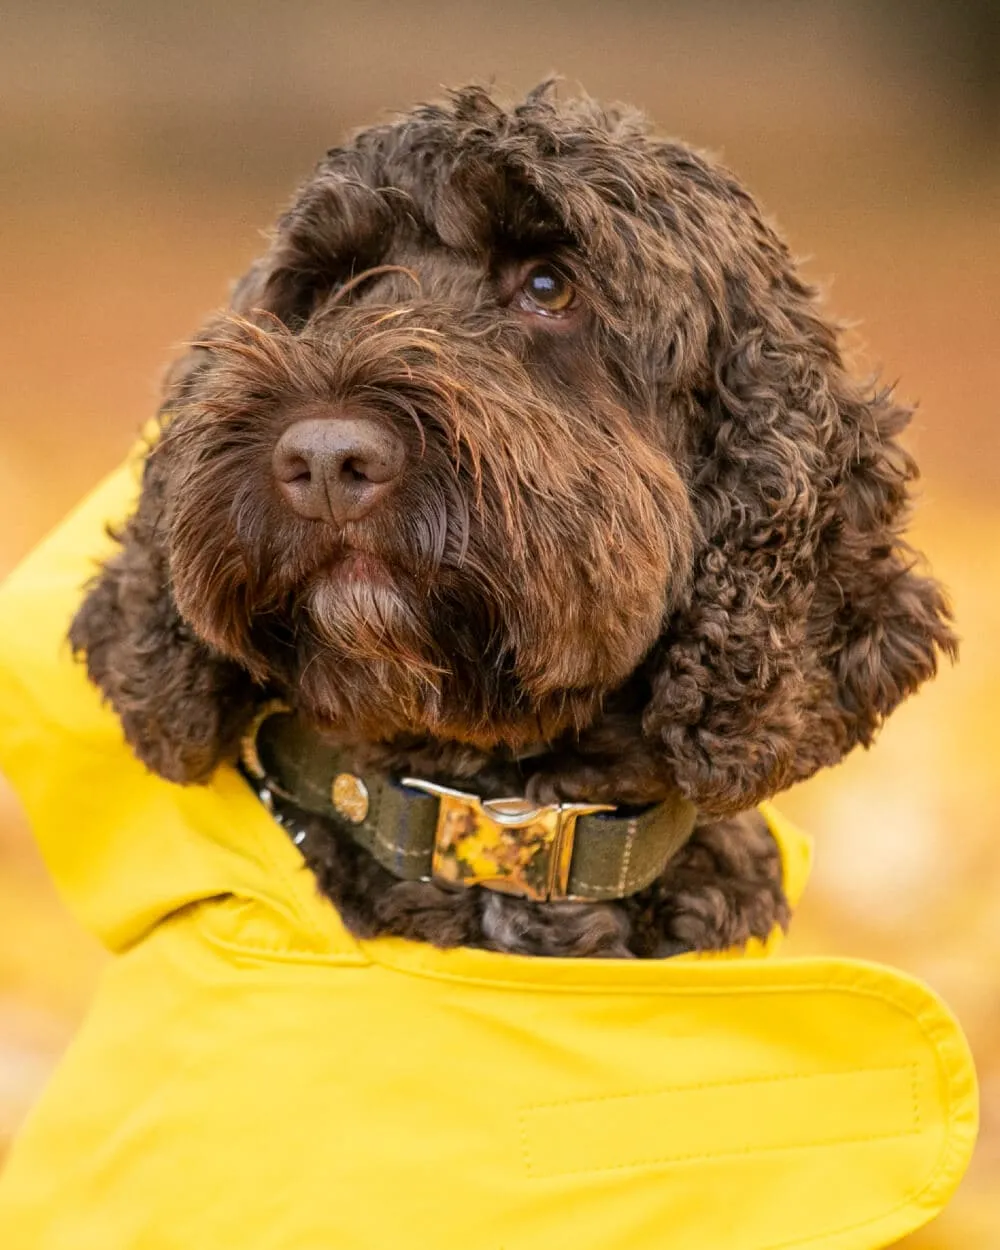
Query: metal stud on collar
[{"x": 349, "y": 795}]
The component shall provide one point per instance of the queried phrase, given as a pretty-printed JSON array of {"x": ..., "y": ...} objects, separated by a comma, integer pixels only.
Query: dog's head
[{"x": 523, "y": 412}]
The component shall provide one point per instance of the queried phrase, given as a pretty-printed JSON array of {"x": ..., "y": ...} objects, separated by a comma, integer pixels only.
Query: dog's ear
[
  {"x": 806, "y": 623},
  {"x": 181, "y": 705},
  {"x": 257, "y": 291}
]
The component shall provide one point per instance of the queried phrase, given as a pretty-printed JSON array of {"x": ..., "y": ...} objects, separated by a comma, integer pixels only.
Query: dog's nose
[{"x": 337, "y": 468}]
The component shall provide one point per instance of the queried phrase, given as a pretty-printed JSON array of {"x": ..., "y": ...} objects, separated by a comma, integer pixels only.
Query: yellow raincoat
[{"x": 251, "y": 1077}]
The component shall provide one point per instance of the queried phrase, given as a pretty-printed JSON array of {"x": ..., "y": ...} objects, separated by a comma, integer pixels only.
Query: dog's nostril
[
  {"x": 351, "y": 469},
  {"x": 298, "y": 471}
]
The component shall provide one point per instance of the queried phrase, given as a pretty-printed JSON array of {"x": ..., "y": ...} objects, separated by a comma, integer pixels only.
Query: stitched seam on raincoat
[
  {"x": 699, "y": 1156},
  {"x": 732, "y": 1084},
  {"x": 262, "y": 956},
  {"x": 913, "y": 1196},
  {"x": 948, "y": 1072},
  {"x": 947, "y": 1069},
  {"x": 953, "y": 1069},
  {"x": 705, "y": 1156},
  {"x": 250, "y": 953}
]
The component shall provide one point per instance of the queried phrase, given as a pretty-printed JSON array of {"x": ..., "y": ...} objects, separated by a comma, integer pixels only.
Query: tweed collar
[{"x": 420, "y": 830}]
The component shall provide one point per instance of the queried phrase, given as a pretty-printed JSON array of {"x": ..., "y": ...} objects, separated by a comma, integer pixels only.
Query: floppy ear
[
  {"x": 251, "y": 292},
  {"x": 181, "y": 705},
  {"x": 807, "y": 624}
]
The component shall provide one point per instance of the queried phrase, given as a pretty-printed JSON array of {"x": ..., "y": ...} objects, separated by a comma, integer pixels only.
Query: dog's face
[
  {"x": 427, "y": 484},
  {"x": 523, "y": 413}
]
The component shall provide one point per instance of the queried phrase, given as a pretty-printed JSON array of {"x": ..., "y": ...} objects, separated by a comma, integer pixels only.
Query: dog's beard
[
  {"x": 376, "y": 657},
  {"x": 503, "y": 649},
  {"x": 373, "y": 654},
  {"x": 497, "y": 650},
  {"x": 364, "y": 655}
]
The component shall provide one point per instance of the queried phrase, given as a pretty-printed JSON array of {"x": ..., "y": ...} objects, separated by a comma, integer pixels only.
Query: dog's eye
[{"x": 546, "y": 291}]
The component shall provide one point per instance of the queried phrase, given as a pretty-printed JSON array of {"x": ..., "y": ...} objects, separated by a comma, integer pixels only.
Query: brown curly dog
[{"x": 525, "y": 459}]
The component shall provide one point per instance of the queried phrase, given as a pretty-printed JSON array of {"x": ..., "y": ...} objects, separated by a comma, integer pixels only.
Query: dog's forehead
[
  {"x": 652, "y": 224},
  {"x": 474, "y": 173}
]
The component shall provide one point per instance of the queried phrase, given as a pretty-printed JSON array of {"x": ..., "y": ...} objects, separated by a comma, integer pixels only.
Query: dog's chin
[
  {"x": 370, "y": 668},
  {"x": 351, "y": 705},
  {"x": 361, "y": 611}
]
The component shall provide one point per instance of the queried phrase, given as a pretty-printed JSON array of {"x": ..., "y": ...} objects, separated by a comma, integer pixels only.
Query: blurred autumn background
[{"x": 144, "y": 146}]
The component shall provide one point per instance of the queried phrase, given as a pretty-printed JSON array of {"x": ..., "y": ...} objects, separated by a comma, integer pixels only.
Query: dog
[
  {"x": 524, "y": 462},
  {"x": 515, "y": 534}
]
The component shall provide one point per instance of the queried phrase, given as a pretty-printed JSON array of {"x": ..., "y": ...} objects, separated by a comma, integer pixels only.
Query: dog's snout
[{"x": 337, "y": 469}]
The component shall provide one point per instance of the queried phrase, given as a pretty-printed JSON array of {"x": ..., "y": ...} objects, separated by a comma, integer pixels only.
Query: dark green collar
[{"x": 422, "y": 831}]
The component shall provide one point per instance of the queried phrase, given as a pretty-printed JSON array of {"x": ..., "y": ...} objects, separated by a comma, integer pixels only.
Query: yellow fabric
[{"x": 251, "y": 1077}]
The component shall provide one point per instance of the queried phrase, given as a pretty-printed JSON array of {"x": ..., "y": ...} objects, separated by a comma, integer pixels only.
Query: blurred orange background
[{"x": 143, "y": 148}]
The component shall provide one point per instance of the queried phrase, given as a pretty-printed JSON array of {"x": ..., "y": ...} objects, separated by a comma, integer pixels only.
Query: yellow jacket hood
[{"x": 252, "y": 1076}]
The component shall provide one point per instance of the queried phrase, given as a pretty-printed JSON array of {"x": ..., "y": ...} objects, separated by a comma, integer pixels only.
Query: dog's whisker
[{"x": 366, "y": 274}]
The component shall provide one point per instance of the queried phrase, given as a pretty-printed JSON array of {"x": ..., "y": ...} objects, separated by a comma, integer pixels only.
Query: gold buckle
[
  {"x": 249, "y": 753},
  {"x": 510, "y": 845}
]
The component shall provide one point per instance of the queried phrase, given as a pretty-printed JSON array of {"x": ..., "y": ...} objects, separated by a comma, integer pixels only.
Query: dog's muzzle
[{"x": 422, "y": 831}]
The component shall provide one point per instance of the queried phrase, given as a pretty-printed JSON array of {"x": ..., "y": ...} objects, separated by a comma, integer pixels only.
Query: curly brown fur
[
  {"x": 181, "y": 705},
  {"x": 652, "y": 545}
]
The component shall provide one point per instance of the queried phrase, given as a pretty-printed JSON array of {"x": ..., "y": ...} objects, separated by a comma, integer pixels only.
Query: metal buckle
[
  {"x": 509, "y": 845},
  {"x": 249, "y": 752}
]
